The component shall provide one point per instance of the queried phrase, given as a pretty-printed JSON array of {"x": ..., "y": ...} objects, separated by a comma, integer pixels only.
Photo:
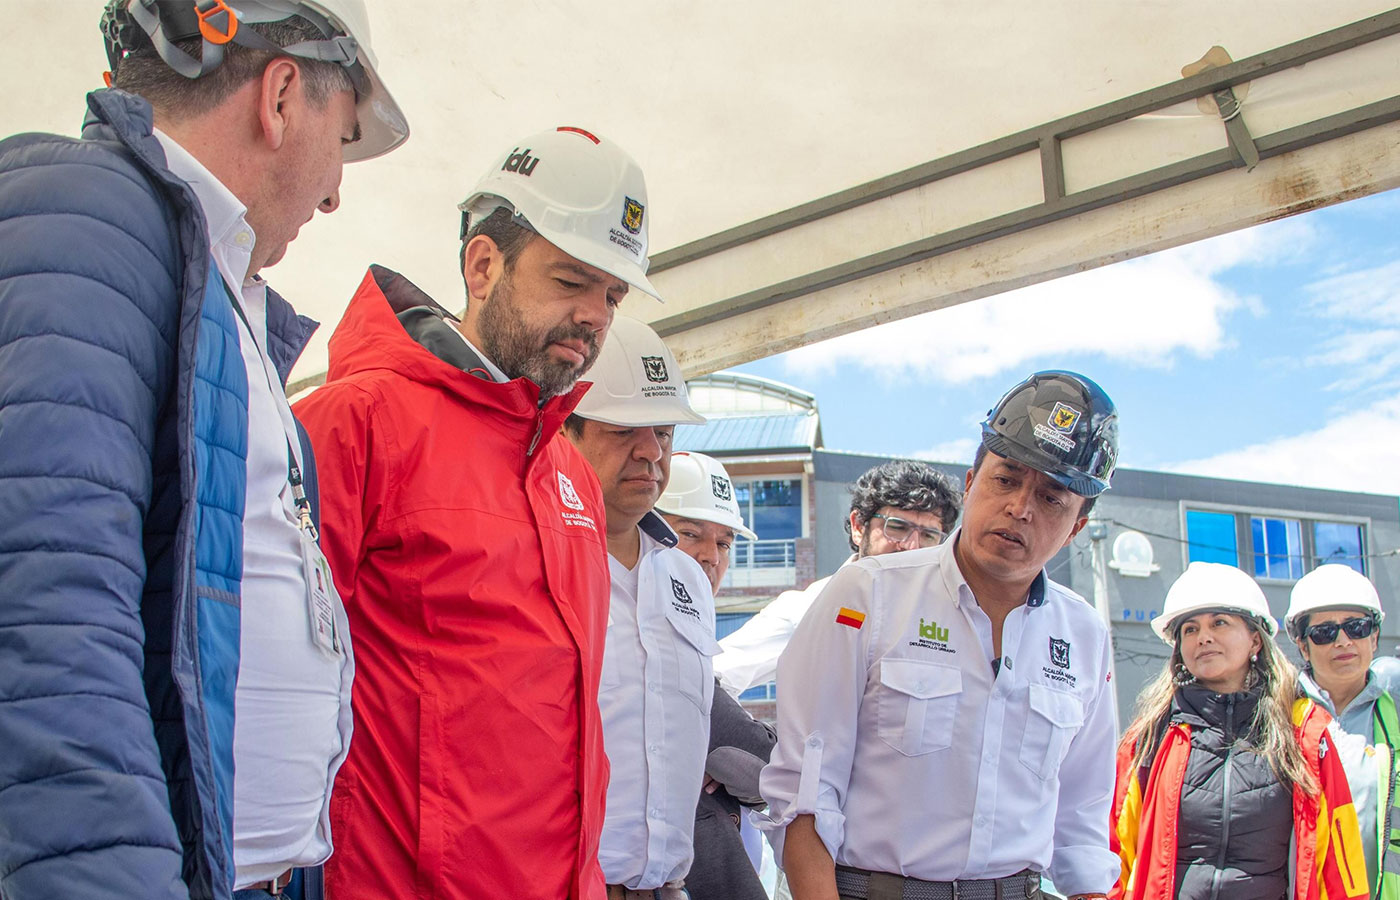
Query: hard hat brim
[
  {"x": 383, "y": 126},
  {"x": 581, "y": 249},
  {"x": 1164, "y": 625},
  {"x": 708, "y": 515},
  {"x": 651, "y": 413}
]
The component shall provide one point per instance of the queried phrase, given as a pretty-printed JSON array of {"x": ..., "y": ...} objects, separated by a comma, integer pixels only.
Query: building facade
[{"x": 796, "y": 495}]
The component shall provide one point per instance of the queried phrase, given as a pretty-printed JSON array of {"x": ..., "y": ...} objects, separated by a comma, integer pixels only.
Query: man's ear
[
  {"x": 279, "y": 93},
  {"x": 482, "y": 264},
  {"x": 1074, "y": 532},
  {"x": 857, "y": 529}
]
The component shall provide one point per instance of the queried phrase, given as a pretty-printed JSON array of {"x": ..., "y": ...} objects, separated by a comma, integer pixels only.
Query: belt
[
  {"x": 858, "y": 883},
  {"x": 672, "y": 891},
  {"x": 274, "y": 887}
]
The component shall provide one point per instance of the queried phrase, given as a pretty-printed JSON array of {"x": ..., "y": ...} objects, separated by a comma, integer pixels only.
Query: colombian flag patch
[{"x": 850, "y": 617}]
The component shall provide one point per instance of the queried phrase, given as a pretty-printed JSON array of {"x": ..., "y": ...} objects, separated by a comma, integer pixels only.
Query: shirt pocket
[
  {"x": 690, "y": 662},
  {"x": 917, "y": 703},
  {"x": 1055, "y": 717}
]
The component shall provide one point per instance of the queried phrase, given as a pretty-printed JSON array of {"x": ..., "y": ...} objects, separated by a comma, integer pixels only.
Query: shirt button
[
  {"x": 814, "y": 742},
  {"x": 921, "y": 687},
  {"x": 656, "y": 813},
  {"x": 981, "y": 821},
  {"x": 653, "y": 748},
  {"x": 651, "y": 686},
  {"x": 243, "y": 239}
]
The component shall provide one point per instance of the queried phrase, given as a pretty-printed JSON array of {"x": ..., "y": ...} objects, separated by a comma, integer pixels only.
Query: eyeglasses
[
  {"x": 899, "y": 531},
  {"x": 1325, "y": 633}
]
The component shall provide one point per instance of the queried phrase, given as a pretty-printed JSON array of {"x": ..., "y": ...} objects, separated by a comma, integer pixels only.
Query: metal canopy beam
[{"x": 716, "y": 318}]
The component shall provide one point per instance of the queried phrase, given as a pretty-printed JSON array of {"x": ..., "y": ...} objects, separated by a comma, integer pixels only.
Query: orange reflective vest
[{"x": 1326, "y": 833}]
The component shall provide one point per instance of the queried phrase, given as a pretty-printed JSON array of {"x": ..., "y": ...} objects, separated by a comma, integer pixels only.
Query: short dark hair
[
  {"x": 143, "y": 72},
  {"x": 574, "y": 424},
  {"x": 904, "y": 484},
  {"x": 1084, "y": 507},
  {"x": 509, "y": 236}
]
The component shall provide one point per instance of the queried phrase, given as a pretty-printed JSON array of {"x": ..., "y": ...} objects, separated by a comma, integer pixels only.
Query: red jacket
[{"x": 475, "y": 576}]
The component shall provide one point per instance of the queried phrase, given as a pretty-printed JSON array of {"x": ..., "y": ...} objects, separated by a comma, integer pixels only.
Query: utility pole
[{"x": 1098, "y": 533}]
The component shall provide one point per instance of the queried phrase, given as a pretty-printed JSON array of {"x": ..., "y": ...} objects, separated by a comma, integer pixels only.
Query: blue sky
[{"x": 1268, "y": 354}]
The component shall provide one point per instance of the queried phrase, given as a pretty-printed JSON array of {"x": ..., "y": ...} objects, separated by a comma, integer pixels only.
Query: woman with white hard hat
[
  {"x": 1225, "y": 787},
  {"x": 1334, "y": 615}
]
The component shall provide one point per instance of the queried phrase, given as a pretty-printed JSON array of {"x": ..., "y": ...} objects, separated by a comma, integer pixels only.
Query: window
[
  {"x": 1339, "y": 542},
  {"x": 773, "y": 509},
  {"x": 1211, "y": 537},
  {"x": 1278, "y": 547}
]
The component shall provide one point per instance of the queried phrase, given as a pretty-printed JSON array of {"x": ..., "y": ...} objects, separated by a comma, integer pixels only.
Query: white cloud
[
  {"x": 1353, "y": 452},
  {"x": 1369, "y": 295},
  {"x": 960, "y": 450},
  {"x": 1358, "y": 311},
  {"x": 1143, "y": 312}
]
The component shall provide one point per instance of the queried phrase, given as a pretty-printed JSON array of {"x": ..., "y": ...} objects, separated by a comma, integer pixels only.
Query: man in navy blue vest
[{"x": 161, "y": 614}]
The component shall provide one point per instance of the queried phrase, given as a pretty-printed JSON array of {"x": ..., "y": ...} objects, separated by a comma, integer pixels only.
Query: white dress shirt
[
  {"x": 916, "y": 759},
  {"x": 292, "y": 716},
  {"x": 749, "y": 656},
  {"x": 655, "y": 698}
]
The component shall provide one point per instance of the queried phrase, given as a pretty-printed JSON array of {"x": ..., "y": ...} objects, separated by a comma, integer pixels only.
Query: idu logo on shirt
[
  {"x": 932, "y": 637},
  {"x": 570, "y": 498}
]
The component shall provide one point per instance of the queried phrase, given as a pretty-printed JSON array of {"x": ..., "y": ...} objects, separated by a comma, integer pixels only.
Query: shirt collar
[
  {"x": 957, "y": 586},
  {"x": 224, "y": 213},
  {"x": 495, "y": 370},
  {"x": 1369, "y": 694},
  {"x": 655, "y": 527}
]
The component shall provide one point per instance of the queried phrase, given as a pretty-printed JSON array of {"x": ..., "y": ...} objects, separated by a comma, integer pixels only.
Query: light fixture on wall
[{"x": 1132, "y": 555}]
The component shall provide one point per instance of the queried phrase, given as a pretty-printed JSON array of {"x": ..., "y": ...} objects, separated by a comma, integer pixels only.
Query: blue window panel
[
  {"x": 1211, "y": 537},
  {"x": 1278, "y": 548},
  {"x": 1336, "y": 542}
]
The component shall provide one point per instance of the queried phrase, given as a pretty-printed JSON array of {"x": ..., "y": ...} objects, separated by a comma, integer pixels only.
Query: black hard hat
[{"x": 1059, "y": 423}]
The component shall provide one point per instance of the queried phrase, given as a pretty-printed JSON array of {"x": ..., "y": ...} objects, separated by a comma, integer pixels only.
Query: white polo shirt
[
  {"x": 655, "y": 697},
  {"x": 292, "y": 715},
  {"x": 916, "y": 758}
]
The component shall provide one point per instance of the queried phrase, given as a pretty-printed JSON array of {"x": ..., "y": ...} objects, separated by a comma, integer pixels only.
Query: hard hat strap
[{"x": 215, "y": 19}]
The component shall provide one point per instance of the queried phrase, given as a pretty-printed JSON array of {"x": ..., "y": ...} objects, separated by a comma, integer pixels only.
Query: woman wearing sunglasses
[
  {"x": 1225, "y": 786},
  {"x": 1335, "y": 615}
]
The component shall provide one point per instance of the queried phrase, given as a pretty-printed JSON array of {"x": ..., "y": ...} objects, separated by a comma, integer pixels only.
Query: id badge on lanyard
[{"x": 322, "y": 601}]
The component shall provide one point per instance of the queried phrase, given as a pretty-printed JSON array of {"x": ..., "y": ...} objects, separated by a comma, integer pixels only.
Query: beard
[{"x": 521, "y": 352}]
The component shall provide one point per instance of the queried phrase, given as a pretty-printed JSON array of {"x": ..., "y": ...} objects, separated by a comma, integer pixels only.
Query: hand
[{"x": 711, "y": 785}]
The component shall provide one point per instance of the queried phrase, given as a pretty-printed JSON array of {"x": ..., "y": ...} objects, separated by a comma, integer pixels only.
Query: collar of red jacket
[{"x": 371, "y": 337}]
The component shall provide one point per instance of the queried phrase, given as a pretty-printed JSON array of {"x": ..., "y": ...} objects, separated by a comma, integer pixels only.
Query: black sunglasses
[{"x": 1326, "y": 632}]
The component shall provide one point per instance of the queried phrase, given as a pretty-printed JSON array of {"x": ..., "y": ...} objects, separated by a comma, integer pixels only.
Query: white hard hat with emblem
[
  {"x": 700, "y": 489},
  {"x": 636, "y": 381},
  {"x": 1207, "y": 586},
  {"x": 577, "y": 190},
  {"x": 1329, "y": 587},
  {"x": 345, "y": 41}
]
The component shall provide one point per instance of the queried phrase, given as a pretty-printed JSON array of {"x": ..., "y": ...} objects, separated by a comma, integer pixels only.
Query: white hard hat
[
  {"x": 580, "y": 192},
  {"x": 1208, "y": 586},
  {"x": 344, "y": 25},
  {"x": 636, "y": 381},
  {"x": 700, "y": 489},
  {"x": 1328, "y": 587}
]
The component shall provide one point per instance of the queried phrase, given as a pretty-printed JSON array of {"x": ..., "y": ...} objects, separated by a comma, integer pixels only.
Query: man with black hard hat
[{"x": 945, "y": 724}]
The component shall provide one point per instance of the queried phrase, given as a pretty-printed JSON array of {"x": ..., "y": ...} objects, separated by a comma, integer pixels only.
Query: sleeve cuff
[{"x": 1084, "y": 870}]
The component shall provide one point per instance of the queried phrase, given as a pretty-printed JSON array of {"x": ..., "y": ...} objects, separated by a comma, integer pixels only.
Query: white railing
[{"x": 762, "y": 563}]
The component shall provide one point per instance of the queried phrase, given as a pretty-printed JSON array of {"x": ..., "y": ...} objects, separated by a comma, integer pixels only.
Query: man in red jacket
[{"x": 467, "y": 540}]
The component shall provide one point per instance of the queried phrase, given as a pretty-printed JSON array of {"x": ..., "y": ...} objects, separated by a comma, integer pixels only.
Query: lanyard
[{"x": 294, "y": 478}]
